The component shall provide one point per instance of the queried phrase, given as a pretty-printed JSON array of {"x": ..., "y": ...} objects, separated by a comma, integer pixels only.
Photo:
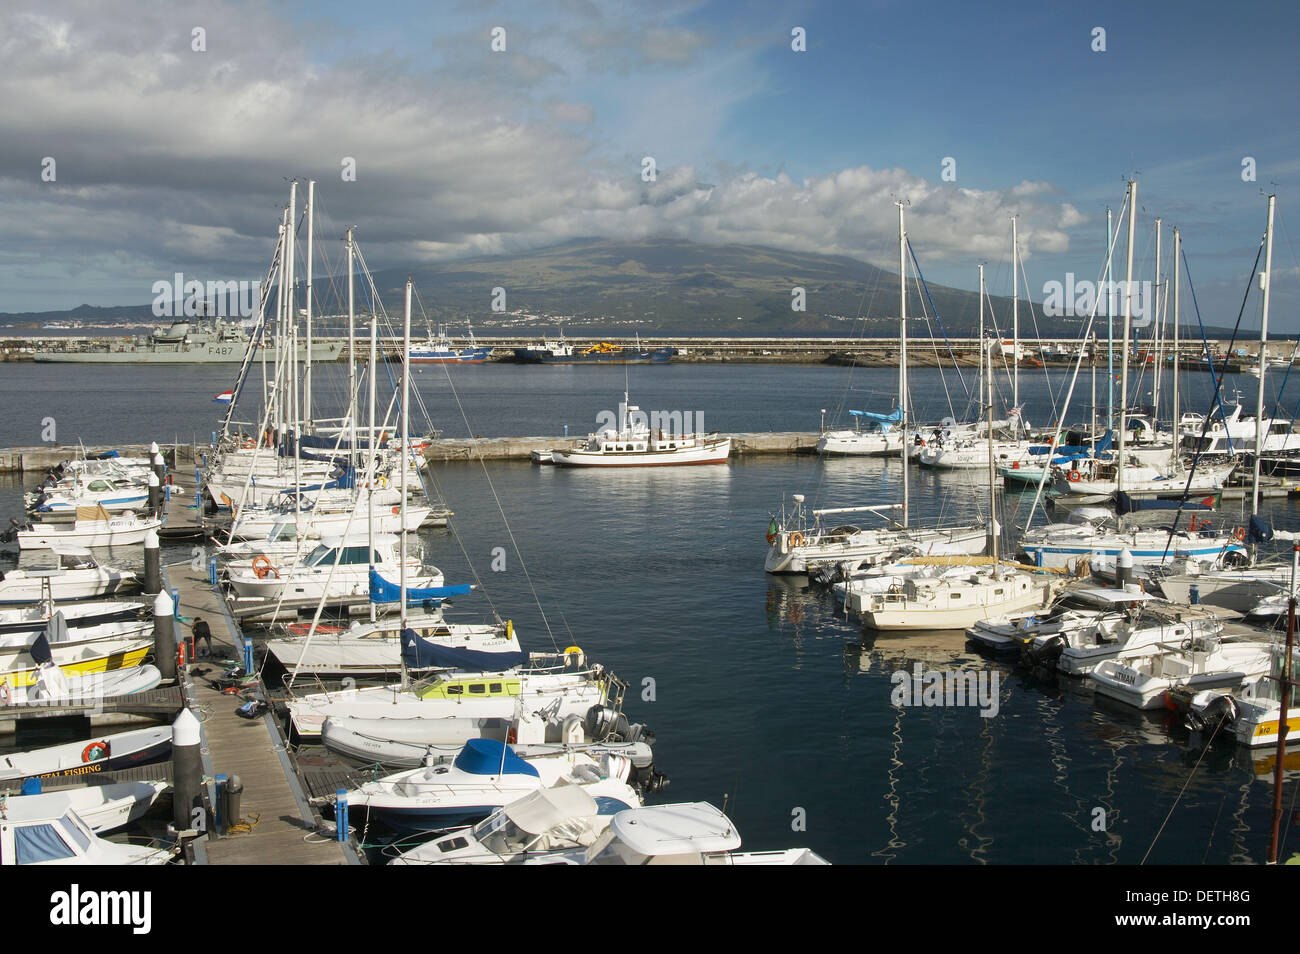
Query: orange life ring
[
  {"x": 180, "y": 655},
  {"x": 1191, "y": 526},
  {"x": 1075, "y": 476},
  {"x": 262, "y": 567},
  {"x": 1240, "y": 534},
  {"x": 796, "y": 539},
  {"x": 94, "y": 751}
]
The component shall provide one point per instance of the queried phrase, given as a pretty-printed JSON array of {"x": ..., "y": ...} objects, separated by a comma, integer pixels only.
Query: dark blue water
[{"x": 761, "y": 695}]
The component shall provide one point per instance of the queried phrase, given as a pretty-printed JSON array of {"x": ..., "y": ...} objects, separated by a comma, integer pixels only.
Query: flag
[
  {"x": 771, "y": 530},
  {"x": 225, "y": 397}
]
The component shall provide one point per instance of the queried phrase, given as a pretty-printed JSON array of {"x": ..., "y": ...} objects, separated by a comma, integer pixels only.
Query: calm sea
[{"x": 762, "y": 696}]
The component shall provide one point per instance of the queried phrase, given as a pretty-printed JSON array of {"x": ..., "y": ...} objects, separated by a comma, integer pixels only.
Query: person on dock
[{"x": 199, "y": 630}]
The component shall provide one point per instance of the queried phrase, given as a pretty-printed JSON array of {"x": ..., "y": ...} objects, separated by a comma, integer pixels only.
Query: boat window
[
  {"x": 954, "y": 596},
  {"x": 454, "y": 690},
  {"x": 495, "y": 687},
  {"x": 477, "y": 689},
  {"x": 997, "y": 592},
  {"x": 36, "y": 843},
  {"x": 452, "y": 844},
  {"x": 70, "y": 827},
  {"x": 354, "y": 556},
  {"x": 318, "y": 554},
  {"x": 99, "y": 486}
]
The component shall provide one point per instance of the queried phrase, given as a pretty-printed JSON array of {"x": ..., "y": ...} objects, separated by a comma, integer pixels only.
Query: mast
[
  {"x": 406, "y": 404},
  {"x": 1110, "y": 330},
  {"x": 1128, "y": 316},
  {"x": 352, "y": 351},
  {"x": 311, "y": 207},
  {"x": 1015, "y": 320},
  {"x": 1159, "y": 319},
  {"x": 902, "y": 348},
  {"x": 280, "y": 333},
  {"x": 1174, "y": 412},
  {"x": 993, "y": 493},
  {"x": 290, "y": 312},
  {"x": 372, "y": 450},
  {"x": 1263, "y": 344}
]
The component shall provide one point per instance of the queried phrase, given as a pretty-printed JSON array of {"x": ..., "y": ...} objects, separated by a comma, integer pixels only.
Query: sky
[{"x": 174, "y": 128}]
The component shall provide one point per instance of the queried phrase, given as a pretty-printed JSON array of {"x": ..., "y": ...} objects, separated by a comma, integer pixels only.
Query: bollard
[
  {"x": 159, "y": 467},
  {"x": 153, "y": 449},
  {"x": 155, "y": 495},
  {"x": 187, "y": 774},
  {"x": 221, "y": 808},
  {"x": 212, "y": 570},
  {"x": 248, "y": 657},
  {"x": 1194, "y": 593},
  {"x": 164, "y": 635},
  {"x": 566, "y": 430},
  {"x": 341, "y": 813},
  {"x": 1123, "y": 569},
  {"x": 152, "y": 562},
  {"x": 234, "y": 789}
]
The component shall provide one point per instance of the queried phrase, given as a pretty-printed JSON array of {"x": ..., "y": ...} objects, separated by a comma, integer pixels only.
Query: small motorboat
[
  {"x": 102, "y": 754},
  {"x": 78, "y": 576},
  {"x": 46, "y": 829},
  {"x": 103, "y": 808}
]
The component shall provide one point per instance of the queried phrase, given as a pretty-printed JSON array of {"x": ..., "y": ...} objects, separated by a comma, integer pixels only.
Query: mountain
[{"x": 663, "y": 286}]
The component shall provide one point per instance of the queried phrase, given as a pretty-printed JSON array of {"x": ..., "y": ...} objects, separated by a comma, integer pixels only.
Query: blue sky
[{"x": 464, "y": 150}]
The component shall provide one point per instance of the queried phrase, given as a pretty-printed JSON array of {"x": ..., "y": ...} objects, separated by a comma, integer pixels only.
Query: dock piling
[
  {"x": 152, "y": 563},
  {"x": 187, "y": 774},
  {"x": 164, "y": 634}
]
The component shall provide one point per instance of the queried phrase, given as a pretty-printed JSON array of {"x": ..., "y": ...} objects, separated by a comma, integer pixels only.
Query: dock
[{"x": 281, "y": 822}]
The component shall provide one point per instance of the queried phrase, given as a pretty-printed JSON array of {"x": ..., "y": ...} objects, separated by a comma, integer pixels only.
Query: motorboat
[
  {"x": 93, "y": 527},
  {"x": 103, "y": 753},
  {"x": 76, "y": 576},
  {"x": 633, "y": 444},
  {"x": 46, "y": 829}
]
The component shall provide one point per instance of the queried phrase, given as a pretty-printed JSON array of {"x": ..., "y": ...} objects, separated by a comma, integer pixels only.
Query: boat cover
[
  {"x": 490, "y": 757},
  {"x": 382, "y": 591},
  {"x": 421, "y": 653}
]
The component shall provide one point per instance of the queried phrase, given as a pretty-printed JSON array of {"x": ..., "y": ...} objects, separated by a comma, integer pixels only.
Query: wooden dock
[{"x": 274, "y": 805}]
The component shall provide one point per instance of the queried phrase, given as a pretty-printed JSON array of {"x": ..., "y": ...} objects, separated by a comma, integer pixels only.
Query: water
[{"x": 760, "y": 693}]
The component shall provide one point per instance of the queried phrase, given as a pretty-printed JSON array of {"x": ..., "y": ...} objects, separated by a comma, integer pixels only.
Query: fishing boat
[
  {"x": 428, "y": 643},
  {"x": 687, "y": 833},
  {"x": 339, "y": 567},
  {"x": 1075, "y": 610},
  {"x": 559, "y": 351},
  {"x": 633, "y": 445},
  {"x": 485, "y": 776},
  {"x": 957, "y": 601},
  {"x": 464, "y": 695},
  {"x": 533, "y": 827},
  {"x": 46, "y": 829},
  {"x": 93, "y": 527},
  {"x": 103, "y": 808},
  {"x": 873, "y": 435},
  {"x": 104, "y": 753},
  {"x": 441, "y": 350},
  {"x": 1141, "y": 679},
  {"x": 77, "y": 576}
]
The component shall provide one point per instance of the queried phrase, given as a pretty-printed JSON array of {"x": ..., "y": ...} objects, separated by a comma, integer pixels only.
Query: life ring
[
  {"x": 263, "y": 568},
  {"x": 1191, "y": 525},
  {"x": 1240, "y": 534},
  {"x": 94, "y": 751},
  {"x": 575, "y": 651},
  {"x": 180, "y": 655},
  {"x": 1075, "y": 476},
  {"x": 796, "y": 539},
  {"x": 381, "y": 482}
]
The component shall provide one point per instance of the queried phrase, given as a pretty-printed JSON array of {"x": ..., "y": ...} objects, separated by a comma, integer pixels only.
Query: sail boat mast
[
  {"x": 1263, "y": 347},
  {"x": 1015, "y": 315},
  {"x": 1174, "y": 411},
  {"x": 406, "y": 424},
  {"x": 902, "y": 350},
  {"x": 1128, "y": 313},
  {"x": 311, "y": 209},
  {"x": 988, "y": 386}
]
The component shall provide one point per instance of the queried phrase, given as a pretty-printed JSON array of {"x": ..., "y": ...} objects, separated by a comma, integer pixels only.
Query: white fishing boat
[
  {"x": 483, "y": 777},
  {"x": 46, "y": 829},
  {"x": 1234, "y": 435},
  {"x": 535, "y": 826},
  {"x": 93, "y": 527},
  {"x": 797, "y": 545},
  {"x": 1142, "y": 678},
  {"x": 463, "y": 695},
  {"x": 1093, "y": 532},
  {"x": 632, "y": 444},
  {"x": 1136, "y": 623},
  {"x": 872, "y": 435},
  {"x": 958, "y": 601},
  {"x": 1074, "y": 610},
  {"x": 687, "y": 833},
  {"x": 38, "y": 615},
  {"x": 77, "y": 576},
  {"x": 1251, "y": 712},
  {"x": 103, "y": 808},
  {"x": 378, "y": 648},
  {"x": 113, "y": 495},
  {"x": 103, "y": 753},
  {"x": 338, "y": 567}
]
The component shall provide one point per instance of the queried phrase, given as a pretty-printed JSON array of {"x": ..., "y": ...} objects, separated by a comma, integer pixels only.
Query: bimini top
[
  {"x": 681, "y": 829},
  {"x": 1112, "y": 596},
  {"x": 542, "y": 810},
  {"x": 491, "y": 757}
]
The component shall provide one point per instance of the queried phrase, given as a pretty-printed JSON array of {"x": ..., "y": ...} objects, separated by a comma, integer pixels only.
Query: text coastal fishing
[{"x": 947, "y": 688}]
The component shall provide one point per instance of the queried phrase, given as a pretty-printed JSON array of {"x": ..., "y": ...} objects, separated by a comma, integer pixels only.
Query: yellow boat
[{"x": 18, "y": 668}]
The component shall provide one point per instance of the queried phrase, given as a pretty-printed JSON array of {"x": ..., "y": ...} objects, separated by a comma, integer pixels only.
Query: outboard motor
[
  {"x": 601, "y": 721},
  {"x": 1046, "y": 652},
  {"x": 1221, "y": 711},
  {"x": 655, "y": 782}
]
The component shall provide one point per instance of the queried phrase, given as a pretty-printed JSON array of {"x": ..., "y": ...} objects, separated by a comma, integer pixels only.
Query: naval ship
[{"x": 183, "y": 342}]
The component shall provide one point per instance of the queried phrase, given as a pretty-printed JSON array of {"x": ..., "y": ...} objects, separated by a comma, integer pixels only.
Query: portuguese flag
[{"x": 771, "y": 530}]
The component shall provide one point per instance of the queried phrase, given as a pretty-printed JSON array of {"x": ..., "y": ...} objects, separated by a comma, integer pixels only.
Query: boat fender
[{"x": 94, "y": 752}]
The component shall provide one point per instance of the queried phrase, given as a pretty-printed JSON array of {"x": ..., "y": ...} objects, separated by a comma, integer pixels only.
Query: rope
[{"x": 1187, "y": 782}]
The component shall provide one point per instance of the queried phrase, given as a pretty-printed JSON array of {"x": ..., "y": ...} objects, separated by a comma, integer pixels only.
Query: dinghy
[
  {"x": 78, "y": 576},
  {"x": 103, "y": 808}
]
